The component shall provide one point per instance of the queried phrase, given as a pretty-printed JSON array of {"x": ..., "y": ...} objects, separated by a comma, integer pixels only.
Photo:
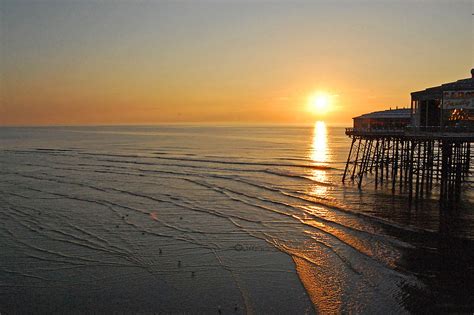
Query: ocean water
[{"x": 217, "y": 219}]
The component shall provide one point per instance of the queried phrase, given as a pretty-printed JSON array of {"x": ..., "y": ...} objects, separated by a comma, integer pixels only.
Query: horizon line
[{"x": 215, "y": 124}]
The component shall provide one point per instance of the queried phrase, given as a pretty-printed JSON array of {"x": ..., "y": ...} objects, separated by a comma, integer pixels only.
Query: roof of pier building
[
  {"x": 399, "y": 113},
  {"x": 436, "y": 92}
]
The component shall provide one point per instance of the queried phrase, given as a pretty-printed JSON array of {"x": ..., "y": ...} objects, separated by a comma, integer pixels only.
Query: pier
[{"x": 415, "y": 150}]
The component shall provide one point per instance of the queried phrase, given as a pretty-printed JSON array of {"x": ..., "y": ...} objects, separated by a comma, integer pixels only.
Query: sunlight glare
[
  {"x": 319, "y": 103},
  {"x": 319, "y": 156},
  {"x": 319, "y": 147}
]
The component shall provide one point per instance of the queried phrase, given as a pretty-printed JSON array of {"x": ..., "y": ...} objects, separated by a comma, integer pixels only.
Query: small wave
[
  {"x": 301, "y": 177},
  {"x": 184, "y": 159}
]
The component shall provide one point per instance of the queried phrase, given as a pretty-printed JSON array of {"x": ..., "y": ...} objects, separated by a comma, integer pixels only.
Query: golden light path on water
[
  {"x": 313, "y": 263},
  {"x": 323, "y": 264},
  {"x": 319, "y": 157}
]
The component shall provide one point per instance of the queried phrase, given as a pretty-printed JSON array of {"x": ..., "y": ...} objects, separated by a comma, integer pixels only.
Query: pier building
[{"x": 420, "y": 149}]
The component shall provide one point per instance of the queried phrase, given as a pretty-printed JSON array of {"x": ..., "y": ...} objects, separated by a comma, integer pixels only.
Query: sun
[{"x": 319, "y": 103}]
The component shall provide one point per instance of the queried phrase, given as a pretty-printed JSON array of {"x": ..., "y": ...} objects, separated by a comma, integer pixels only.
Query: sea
[{"x": 218, "y": 219}]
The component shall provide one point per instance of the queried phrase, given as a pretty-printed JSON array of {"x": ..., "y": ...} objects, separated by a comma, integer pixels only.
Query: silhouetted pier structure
[{"x": 415, "y": 149}]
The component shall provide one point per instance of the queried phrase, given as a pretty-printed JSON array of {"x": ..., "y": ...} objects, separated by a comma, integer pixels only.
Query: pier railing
[
  {"x": 468, "y": 130},
  {"x": 370, "y": 131}
]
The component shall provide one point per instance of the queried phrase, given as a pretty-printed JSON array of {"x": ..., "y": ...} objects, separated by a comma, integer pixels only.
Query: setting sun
[{"x": 319, "y": 103}]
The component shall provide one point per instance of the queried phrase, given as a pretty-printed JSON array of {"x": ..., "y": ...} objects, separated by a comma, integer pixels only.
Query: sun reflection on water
[
  {"x": 329, "y": 272},
  {"x": 320, "y": 143},
  {"x": 319, "y": 158}
]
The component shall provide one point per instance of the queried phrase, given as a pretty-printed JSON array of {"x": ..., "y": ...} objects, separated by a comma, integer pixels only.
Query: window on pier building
[
  {"x": 459, "y": 108},
  {"x": 430, "y": 113}
]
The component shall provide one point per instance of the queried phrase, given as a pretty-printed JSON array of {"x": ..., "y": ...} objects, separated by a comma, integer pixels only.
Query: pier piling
[{"x": 418, "y": 163}]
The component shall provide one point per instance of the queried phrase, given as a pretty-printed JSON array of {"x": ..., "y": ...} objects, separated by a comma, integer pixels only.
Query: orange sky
[{"x": 146, "y": 62}]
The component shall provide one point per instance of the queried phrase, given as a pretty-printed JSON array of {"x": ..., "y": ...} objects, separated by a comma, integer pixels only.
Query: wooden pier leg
[
  {"x": 374, "y": 156},
  {"x": 395, "y": 166},
  {"x": 442, "y": 188},
  {"x": 429, "y": 183},
  {"x": 418, "y": 166},
  {"x": 361, "y": 164},
  {"x": 451, "y": 173},
  {"x": 459, "y": 167},
  {"x": 348, "y": 160},
  {"x": 423, "y": 167},
  {"x": 445, "y": 169},
  {"x": 439, "y": 163},
  {"x": 387, "y": 159},
  {"x": 365, "y": 161},
  {"x": 356, "y": 158},
  {"x": 410, "y": 171},
  {"x": 468, "y": 157},
  {"x": 446, "y": 156},
  {"x": 402, "y": 163},
  {"x": 382, "y": 156},
  {"x": 427, "y": 167},
  {"x": 409, "y": 162},
  {"x": 465, "y": 171},
  {"x": 376, "y": 162}
]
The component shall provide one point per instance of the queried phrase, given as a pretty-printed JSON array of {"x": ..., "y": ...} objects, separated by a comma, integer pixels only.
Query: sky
[{"x": 71, "y": 62}]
